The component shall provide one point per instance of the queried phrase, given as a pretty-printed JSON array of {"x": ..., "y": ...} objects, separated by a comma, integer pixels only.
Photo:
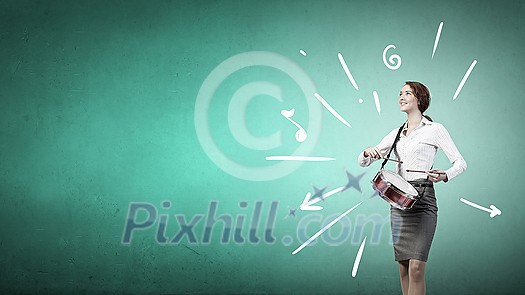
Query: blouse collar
[{"x": 424, "y": 121}]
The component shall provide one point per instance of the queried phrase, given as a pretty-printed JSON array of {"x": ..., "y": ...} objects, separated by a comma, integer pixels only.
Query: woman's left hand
[{"x": 437, "y": 175}]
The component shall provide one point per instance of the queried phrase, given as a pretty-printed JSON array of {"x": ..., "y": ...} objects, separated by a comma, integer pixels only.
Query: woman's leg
[
  {"x": 403, "y": 275},
  {"x": 416, "y": 277}
]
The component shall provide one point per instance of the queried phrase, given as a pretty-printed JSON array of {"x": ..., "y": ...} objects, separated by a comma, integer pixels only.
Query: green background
[{"x": 98, "y": 102}]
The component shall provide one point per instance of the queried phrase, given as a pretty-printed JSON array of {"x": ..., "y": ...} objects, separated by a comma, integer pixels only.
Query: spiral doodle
[{"x": 394, "y": 60}]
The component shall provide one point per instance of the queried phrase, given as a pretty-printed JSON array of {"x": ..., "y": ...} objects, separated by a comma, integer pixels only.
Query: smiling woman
[
  {"x": 413, "y": 90},
  {"x": 415, "y": 145}
]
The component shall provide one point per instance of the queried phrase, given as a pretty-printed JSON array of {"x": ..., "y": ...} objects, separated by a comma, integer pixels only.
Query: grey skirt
[{"x": 413, "y": 229}]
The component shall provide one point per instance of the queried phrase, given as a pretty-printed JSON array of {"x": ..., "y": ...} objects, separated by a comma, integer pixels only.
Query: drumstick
[
  {"x": 423, "y": 171},
  {"x": 400, "y": 162}
]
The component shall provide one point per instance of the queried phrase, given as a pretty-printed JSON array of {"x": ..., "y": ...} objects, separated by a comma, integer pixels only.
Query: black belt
[{"x": 422, "y": 184}]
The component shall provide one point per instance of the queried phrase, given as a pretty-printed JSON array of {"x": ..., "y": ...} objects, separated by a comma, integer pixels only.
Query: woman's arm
[
  {"x": 371, "y": 154},
  {"x": 445, "y": 142}
]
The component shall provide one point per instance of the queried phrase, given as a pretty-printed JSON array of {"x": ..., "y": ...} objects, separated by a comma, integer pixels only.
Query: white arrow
[
  {"x": 493, "y": 210},
  {"x": 307, "y": 203},
  {"x": 305, "y": 206}
]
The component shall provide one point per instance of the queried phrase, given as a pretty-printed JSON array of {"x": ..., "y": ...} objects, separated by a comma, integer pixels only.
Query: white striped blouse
[{"x": 418, "y": 149}]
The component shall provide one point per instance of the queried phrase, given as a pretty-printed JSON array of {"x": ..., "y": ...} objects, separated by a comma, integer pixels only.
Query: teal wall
[{"x": 104, "y": 112}]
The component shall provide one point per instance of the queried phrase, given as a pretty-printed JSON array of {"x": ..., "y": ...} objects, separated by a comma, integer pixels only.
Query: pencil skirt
[{"x": 413, "y": 229}]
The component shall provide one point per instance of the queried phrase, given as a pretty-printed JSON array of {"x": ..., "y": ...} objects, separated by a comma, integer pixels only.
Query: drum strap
[{"x": 393, "y": 145}]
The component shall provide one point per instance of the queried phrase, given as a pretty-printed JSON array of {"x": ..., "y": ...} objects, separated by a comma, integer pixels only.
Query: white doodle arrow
[
  {"x": 306, "y": 206},
  {"x": 493, "y": 210},
  {"x": 307, "y": 203}
]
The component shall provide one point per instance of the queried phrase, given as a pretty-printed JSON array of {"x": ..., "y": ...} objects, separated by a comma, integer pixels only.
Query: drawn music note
[{"x": 300, "y": 135}]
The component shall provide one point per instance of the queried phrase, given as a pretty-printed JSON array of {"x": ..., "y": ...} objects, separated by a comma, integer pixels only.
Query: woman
[{"x": 419, "y": 138}]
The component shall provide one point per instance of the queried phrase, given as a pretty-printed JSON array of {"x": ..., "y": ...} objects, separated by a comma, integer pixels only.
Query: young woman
[{"x": 413, "y": 229}]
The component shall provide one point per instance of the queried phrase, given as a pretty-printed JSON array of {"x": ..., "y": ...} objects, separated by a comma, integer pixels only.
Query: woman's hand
[
  {"x": 437, "y": 175},
  {"x": 372, "y": 152}
]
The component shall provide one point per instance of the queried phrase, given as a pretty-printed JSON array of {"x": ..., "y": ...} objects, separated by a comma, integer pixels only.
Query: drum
[{"x": 394, "y": 189}]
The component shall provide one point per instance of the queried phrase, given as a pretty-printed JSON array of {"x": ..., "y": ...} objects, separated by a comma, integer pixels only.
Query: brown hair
[{"x": 422, "y": 95}]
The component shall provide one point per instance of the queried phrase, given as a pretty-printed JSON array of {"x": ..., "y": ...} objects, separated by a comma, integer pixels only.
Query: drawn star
[
  {"x": 353, "y": 181},
  {"x": 318, "y": 193},
  {"x": 291, "y": 212}
]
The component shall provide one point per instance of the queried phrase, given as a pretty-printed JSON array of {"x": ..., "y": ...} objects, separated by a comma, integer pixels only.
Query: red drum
[{"x": 394, "y": 189}]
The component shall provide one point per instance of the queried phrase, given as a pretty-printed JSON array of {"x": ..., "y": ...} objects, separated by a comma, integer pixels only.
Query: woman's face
[{"x": 407, "y": 100}]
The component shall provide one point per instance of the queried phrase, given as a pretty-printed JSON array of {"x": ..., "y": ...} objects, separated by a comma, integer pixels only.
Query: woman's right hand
[{"x": 372, "y": 152}]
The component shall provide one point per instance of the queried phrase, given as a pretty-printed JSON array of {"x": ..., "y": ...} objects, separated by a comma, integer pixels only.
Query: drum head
[{"x": 398, "y": 181}]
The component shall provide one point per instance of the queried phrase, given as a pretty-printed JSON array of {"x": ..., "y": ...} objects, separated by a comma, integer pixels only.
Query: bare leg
[
  {"x": 403, "y": 276},
  {"x": 416, "y": 277}
]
